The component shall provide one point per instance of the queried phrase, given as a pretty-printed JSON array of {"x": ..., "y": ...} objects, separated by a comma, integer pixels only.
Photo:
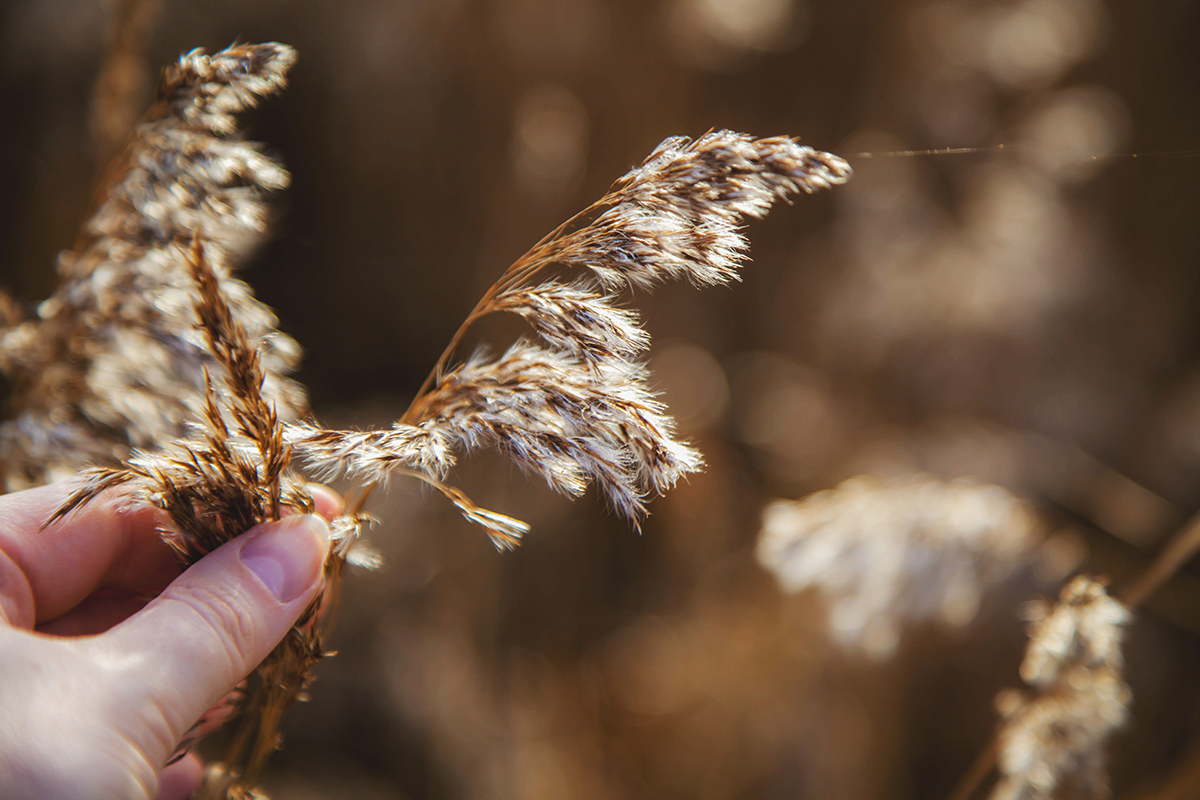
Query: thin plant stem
[
  {"x": 1184, "y": 545},
  {"x": 1182, "y": 783},
  {"x": 522, "y": 270},
  {"x": 980, "y": 768}
]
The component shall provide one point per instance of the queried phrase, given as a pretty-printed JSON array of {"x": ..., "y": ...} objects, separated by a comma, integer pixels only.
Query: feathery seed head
[
  {"x": 1052, "y": 743},
  {"x": 579, "y": 410},
  {"x": 557, "y": 417},
  {"x": 882, "y": 551},
  {"x": 206, "y": 91},
  {"x": 578, "y": 320},
  {"x": 677, "y": 215},
  {"x": 115, "y": 355},
  {"x": 371, "y": 456},
  {"x": 1086, "y": 627},
  {"x": 150, "y": 353}
]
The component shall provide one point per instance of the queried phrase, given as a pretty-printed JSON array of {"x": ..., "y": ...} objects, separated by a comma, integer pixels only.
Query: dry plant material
[
  {"x": 576, "y": 408},
  {"x": 229, "y": 475},
  {"x": 114, "y": 360},
  {"x": 1052, "y": 742},
  {"x": 906, "y": 549},
  {"x": 150, "y": 354},
  {"x": 124, "y": 82}
]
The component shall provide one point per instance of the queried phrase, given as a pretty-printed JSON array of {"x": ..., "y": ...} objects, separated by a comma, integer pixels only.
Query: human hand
[{"x": 97, "y": 685}]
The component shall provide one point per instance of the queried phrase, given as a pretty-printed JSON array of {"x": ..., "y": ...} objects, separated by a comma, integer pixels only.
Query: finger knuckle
[{"x": 226, "y": 623}]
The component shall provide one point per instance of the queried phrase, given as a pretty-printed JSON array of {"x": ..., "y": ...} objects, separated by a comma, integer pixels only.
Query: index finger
[
  {"x": 47, "y": 572},
  {"x": 109, "y": 542}
]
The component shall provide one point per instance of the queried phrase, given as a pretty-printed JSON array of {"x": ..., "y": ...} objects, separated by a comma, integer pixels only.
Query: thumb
[{"x": 195, "y": 642}]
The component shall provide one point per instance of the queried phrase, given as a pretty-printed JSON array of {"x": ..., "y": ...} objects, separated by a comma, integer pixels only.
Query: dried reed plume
[
  {"x": 212, "y": 423},
  {"x": 577, "y": 409},
  {"x": 886, "y": 551},
  {"x": 229, "y": 475},
  {"x": 149, "y": 352},
  {"x": 114, "y": 359},
  {"x": 1052, "y": 743}
]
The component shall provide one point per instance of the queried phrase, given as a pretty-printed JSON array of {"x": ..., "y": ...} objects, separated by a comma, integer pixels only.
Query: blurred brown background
[{"x": 1024, "y": 315}]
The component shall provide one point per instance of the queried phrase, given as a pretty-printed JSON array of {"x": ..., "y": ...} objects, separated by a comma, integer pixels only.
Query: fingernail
[
  {"x": 326, "y": 499},
  {"x": 287, "y": 555}
]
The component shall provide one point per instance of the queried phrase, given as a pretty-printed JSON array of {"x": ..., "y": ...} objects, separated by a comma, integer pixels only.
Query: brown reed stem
[
  {"x": 1181, "y": 783},
  {"x": 264, "y": 742},
  {"x": 118, "y": 93},
  {"x": 520, "y": 271},
  {"x": 980, "y": 768},
  {"x": 1182, "y": 547},
  {"x": 417, "y": 405}
]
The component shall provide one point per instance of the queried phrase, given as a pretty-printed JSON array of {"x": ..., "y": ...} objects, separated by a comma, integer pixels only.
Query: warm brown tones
[{"x": 576, "y": 410}]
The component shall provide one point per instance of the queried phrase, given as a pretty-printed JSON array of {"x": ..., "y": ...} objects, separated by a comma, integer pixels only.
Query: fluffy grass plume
[
  {"x": 157, "y": 367},
  {"x": 887, "y": 551},
  {"x": 114, "y": 360},
  {"x": 575, "y": 407},
  {"x": 1052, "y": 741}
]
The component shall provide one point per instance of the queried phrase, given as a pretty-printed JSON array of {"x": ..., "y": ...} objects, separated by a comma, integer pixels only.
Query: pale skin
[{"x": 108, "y": 654}]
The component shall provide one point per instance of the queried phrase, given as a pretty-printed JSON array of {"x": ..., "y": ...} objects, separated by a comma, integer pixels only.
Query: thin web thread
[{"x": 960, "y": 151}]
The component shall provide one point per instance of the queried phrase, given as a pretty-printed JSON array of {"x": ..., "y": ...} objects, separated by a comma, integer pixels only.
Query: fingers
[
  {"x": 44, "y": 573},
  {"x": 96, "y": 566},
  {"x": 216, "y": 622},
  {"x": 178, "y": 781},
  {"x": 99, "y": 612},
  {"x": 327, "y": 502}
]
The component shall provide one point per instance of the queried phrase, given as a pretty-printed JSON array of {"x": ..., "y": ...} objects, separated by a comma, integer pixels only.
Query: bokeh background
[{"x": 1023, "y": 315}]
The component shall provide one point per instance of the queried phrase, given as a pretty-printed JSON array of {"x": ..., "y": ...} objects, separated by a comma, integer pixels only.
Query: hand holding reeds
[
  {"x": 218, "y": 453},
  {"x": 95, "y": 701}
]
